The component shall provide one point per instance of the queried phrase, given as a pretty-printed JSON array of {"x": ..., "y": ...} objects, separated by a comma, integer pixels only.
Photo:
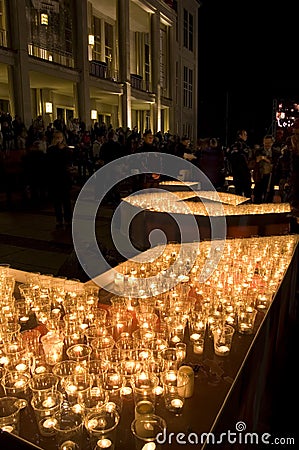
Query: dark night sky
[{"x": 248, "y": 53}]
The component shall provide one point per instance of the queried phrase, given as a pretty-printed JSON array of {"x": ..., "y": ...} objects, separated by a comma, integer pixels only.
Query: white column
[
  {"x": 123, "y": 33},
  {"x": 81, "y": 51},
  {"x": 155, "y": 60},
  {"x": 20, "y": 71}
]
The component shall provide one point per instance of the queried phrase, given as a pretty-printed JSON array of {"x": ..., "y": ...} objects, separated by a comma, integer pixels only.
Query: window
[
  {"x": 163, "y": 59},
  {"x": 188, "y": 87},
  {"x": 97, "y": 39},
  {"x": 188, "y": 30}
]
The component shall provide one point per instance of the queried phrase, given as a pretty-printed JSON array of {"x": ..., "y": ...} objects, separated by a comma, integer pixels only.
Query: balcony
[
  {"x": 137, "y": 82},
  {"x": 3, "y": 38},
  {"x": 100, "y": 69},
  {"x": 61, "y": 58}
]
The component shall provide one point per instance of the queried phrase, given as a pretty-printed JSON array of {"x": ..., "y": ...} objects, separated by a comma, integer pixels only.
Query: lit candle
[
  {"x": 177, "y": 403},
  {"x": 244, "y": 327},
  {"x": 7, "y": 428},
  {"x": 71, "y": 389},
  {"x": 198, "y": 348},
  {"x": 159, "y": 390},
  {"x": 92, "y": 423},
  {"x": 19, "y": 384},
  {"x": 126, "y": 390},
  {"x": 149, "y": 446},
  {"x": 49, "y": 402},
  {"x": 104, "y": 443},
  {"x": 170, "y": 376},
  {"x": 40, "y": 369},
  {"x": 49, "y": 423},
  {"x": 194, "y": 337},
  {"x": 175, "y": 339},
  {"x": 21, "y": 367},
  {"x": 222, "y": 350}
]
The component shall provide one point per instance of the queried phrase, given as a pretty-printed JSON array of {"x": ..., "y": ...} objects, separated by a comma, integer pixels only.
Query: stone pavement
[{"x": 29, "y": 240}]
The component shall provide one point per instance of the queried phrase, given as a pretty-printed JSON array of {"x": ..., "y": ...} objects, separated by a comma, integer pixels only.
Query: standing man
[
  {"x": 239, "y": 154},
  {"x": 263, "y": 188}
]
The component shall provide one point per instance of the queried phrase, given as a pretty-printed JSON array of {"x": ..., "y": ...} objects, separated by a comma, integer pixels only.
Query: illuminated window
[{"x": 44, "y": 19}]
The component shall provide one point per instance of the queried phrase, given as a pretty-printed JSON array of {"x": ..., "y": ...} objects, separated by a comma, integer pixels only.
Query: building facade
[{"x": 123, "y": 62}]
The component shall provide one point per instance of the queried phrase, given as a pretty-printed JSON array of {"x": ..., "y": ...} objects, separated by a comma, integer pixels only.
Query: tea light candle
[
  {"x": 159, "y": 390},
  {"x": 21, "y": 367},
  {"x": 177, "y": 403},
  {"x": 92, "y": 423},
  {"x": 175, "y": 339},
  {"x": 40, "y": 369},
  {"x": 7, "y": 428},
  {"x": 171, "y": 376},
  {"x": 198, "y": 348},
  {"x": 71, "y": 389},
  {"x": 194, "y": 337},
  {"x": 49, "y": 423},
  {"x": 222, "y": 350},
  {"x": 48, "y": 403},
  {"x": 244, "y": 327},
  {"x": 104, "y": 443},
  {"x": 19, "y": 384},
  {"x": 126, "y": 390}
]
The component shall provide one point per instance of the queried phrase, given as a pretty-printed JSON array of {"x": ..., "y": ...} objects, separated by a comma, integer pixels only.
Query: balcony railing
[
  {"x": 100, "y": 69},
  {"x": 61, "y": 58},
  {"x": 137, "y": 82},
  {"x": 3, "y": 38}
]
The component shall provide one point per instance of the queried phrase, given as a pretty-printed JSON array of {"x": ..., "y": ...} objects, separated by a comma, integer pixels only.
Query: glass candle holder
[
  {"x": 80, "y": 353},
  {"x": 101, "y": 426},
  {"x": 53, "y": 347},
  {"x": 146, "y": 428},
  {"x": 10, "y": 408},
  {"x": 45, "y": 405}
]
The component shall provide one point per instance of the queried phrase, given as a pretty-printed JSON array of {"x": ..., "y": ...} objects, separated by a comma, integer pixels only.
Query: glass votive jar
[
  {"x": 97, "y": 368},
  {"x": 181, "y": 351},
  {"x": 94, "y": 332},
  {"x": 31, "y": 340},
  {"x": 45, "y": 405},
  {"x": 10, "y": 408},
  {"x": 169, "y": 356},
  {"x": 146, "y": 429},
  {"x": 130, "y": 367},
  {"x": 101, "y": 426},
  {"x": 80, "y": 353},
  {"x": 144, "y": 384},
  {"x": 53, "y": 347},
  {"x": 263, "y": 301},
  {"x": 142, "y": 354},
  {"x": 246, "y": 319},
  {"x": 43, "y": 383},
  {"x": 99, "y": 317},
  {"x": 142, "y": 336},
  {"x": 10, "y": 333},
  {"x": 198, "y": 345},
  {"x": 102, "y": 346},
  {"x": 16, "y": 384},
  {"x": 76, "y": 387},
  {"x": 174, "y": 391},
  {"x": 222, "y": 337},
  {"x": 113, "y": 383},
  {"x": 66, "y": 368},
  {"x": 93, "y": 399},
  {"x": 68, "y": 427}
]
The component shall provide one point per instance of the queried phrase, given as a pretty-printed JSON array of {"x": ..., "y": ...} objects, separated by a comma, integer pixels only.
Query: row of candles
[
  {"x": 95, "y": 356},
  {"x": 181, "y": 203}
]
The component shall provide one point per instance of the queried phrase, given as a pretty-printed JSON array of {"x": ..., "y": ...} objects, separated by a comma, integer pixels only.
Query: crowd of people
[{"x": 47, "y": 161}]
